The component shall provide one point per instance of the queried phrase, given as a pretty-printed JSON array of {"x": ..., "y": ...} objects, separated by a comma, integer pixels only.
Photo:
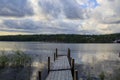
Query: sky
[{"x": 59, "y": 17}]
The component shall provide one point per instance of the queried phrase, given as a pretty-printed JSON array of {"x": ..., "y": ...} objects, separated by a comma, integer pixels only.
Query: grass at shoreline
[{"x": 18, "y": 59}]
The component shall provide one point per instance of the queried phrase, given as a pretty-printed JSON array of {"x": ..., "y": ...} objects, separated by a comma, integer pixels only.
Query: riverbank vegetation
[
  {"x": 16, "y": 66},
  {"x": 65, "y": 38},
  {"x": 18, "y": 59}
]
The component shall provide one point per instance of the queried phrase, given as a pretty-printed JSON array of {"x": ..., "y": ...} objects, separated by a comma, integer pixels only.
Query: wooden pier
[{"x": 62, "y": 68}]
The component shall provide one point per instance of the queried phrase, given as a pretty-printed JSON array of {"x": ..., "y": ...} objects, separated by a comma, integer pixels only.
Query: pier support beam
[
  {"x": 68, "y": 52},
  {"x": 70, "y": 61},
  {"x": 75, "y": 75},
  {"x": 39, "y": 75},
  {"x": 72, "y": 69},
  {"x": 48, "y": 64},
  {"x": 69, "y": 56}
]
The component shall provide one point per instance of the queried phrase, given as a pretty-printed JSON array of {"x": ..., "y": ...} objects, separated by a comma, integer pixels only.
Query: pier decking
[
  {"x": 61, "y": 63},
  {"x": 62, "y": 68}
]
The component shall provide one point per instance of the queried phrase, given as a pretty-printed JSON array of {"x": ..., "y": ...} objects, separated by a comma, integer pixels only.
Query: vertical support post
[
  {"x": 119, "y": 54},
  {"x": 68, "y": 52},
  {"x": 54, "y": 56},
  {"x": 69, "y": 55},
  {"x": 48, "y": 64},
  {"x": 76, "y": 75},
  {"x": 56, "y": 52},
  {"x": 39, "y": 75},
  {"x": 70, "y": 61},
  {"x": 73, "y": 61}
]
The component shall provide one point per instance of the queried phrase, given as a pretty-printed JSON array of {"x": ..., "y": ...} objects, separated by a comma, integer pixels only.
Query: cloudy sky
[{"x": 59, "y": 17}]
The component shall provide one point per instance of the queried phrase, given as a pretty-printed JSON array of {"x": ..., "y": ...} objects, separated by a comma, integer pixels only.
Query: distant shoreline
[
  {"x": 62, "y": 38},
  {"x": 57, "y": 42}
]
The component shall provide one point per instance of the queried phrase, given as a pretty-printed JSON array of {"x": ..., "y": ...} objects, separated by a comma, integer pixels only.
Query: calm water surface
[{"x": 83, "y": 53}]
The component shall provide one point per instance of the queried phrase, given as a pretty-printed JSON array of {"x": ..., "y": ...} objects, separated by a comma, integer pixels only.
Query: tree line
[{"x": 64, "y": 38}]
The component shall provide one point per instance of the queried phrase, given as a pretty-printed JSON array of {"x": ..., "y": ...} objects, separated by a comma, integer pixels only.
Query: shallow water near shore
[
  {"x": 83, "y": 53},
  {"x": 89, "y": 58}
]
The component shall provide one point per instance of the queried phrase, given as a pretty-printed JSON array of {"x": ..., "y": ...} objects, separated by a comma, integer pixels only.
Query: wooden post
[
  {"x": 39, "y": 75},
  {"x": 56, "y": 52},
  {"x": 73, "y": 67},
  {"x": 69, "y": 55},
  {"x": 54, "y": 56},
  {"x": 70, "y": 60},
  {"x": 68, "y": 52},
  {"x": 48, "y": 64},
  {"x": 76, "y": 75},
  {"x": 119, "y": 54}
]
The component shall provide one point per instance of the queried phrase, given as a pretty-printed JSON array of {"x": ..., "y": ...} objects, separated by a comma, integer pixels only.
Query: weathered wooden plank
[
  {"x": 60, "y": 69},
  {"x": 60, "y": 75},
  {"x": 61, "y": 63}
]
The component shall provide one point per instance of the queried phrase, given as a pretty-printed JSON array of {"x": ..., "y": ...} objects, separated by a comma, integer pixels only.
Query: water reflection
[
  {"x": 85, "y": 53},
  {"x": 98, "y": 57},
  {"x": 94, "y": 57}
]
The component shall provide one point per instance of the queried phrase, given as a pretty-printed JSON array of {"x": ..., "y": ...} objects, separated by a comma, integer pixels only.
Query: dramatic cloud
[
  {"x": 59, "y": 16},
  {"x": 18, "y": 8}
]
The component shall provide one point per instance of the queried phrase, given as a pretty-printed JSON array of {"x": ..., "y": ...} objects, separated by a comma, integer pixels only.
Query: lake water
[
  {"x": 95, "y": 57},
  {"x": 83, "y": 53}
]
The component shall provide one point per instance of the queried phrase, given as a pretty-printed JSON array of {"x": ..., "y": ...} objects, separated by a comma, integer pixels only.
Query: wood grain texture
[
  {"x": 60, "y": 75},
  {"x": 62, "y": 69},
  {"x": 61, "y": 63}
]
